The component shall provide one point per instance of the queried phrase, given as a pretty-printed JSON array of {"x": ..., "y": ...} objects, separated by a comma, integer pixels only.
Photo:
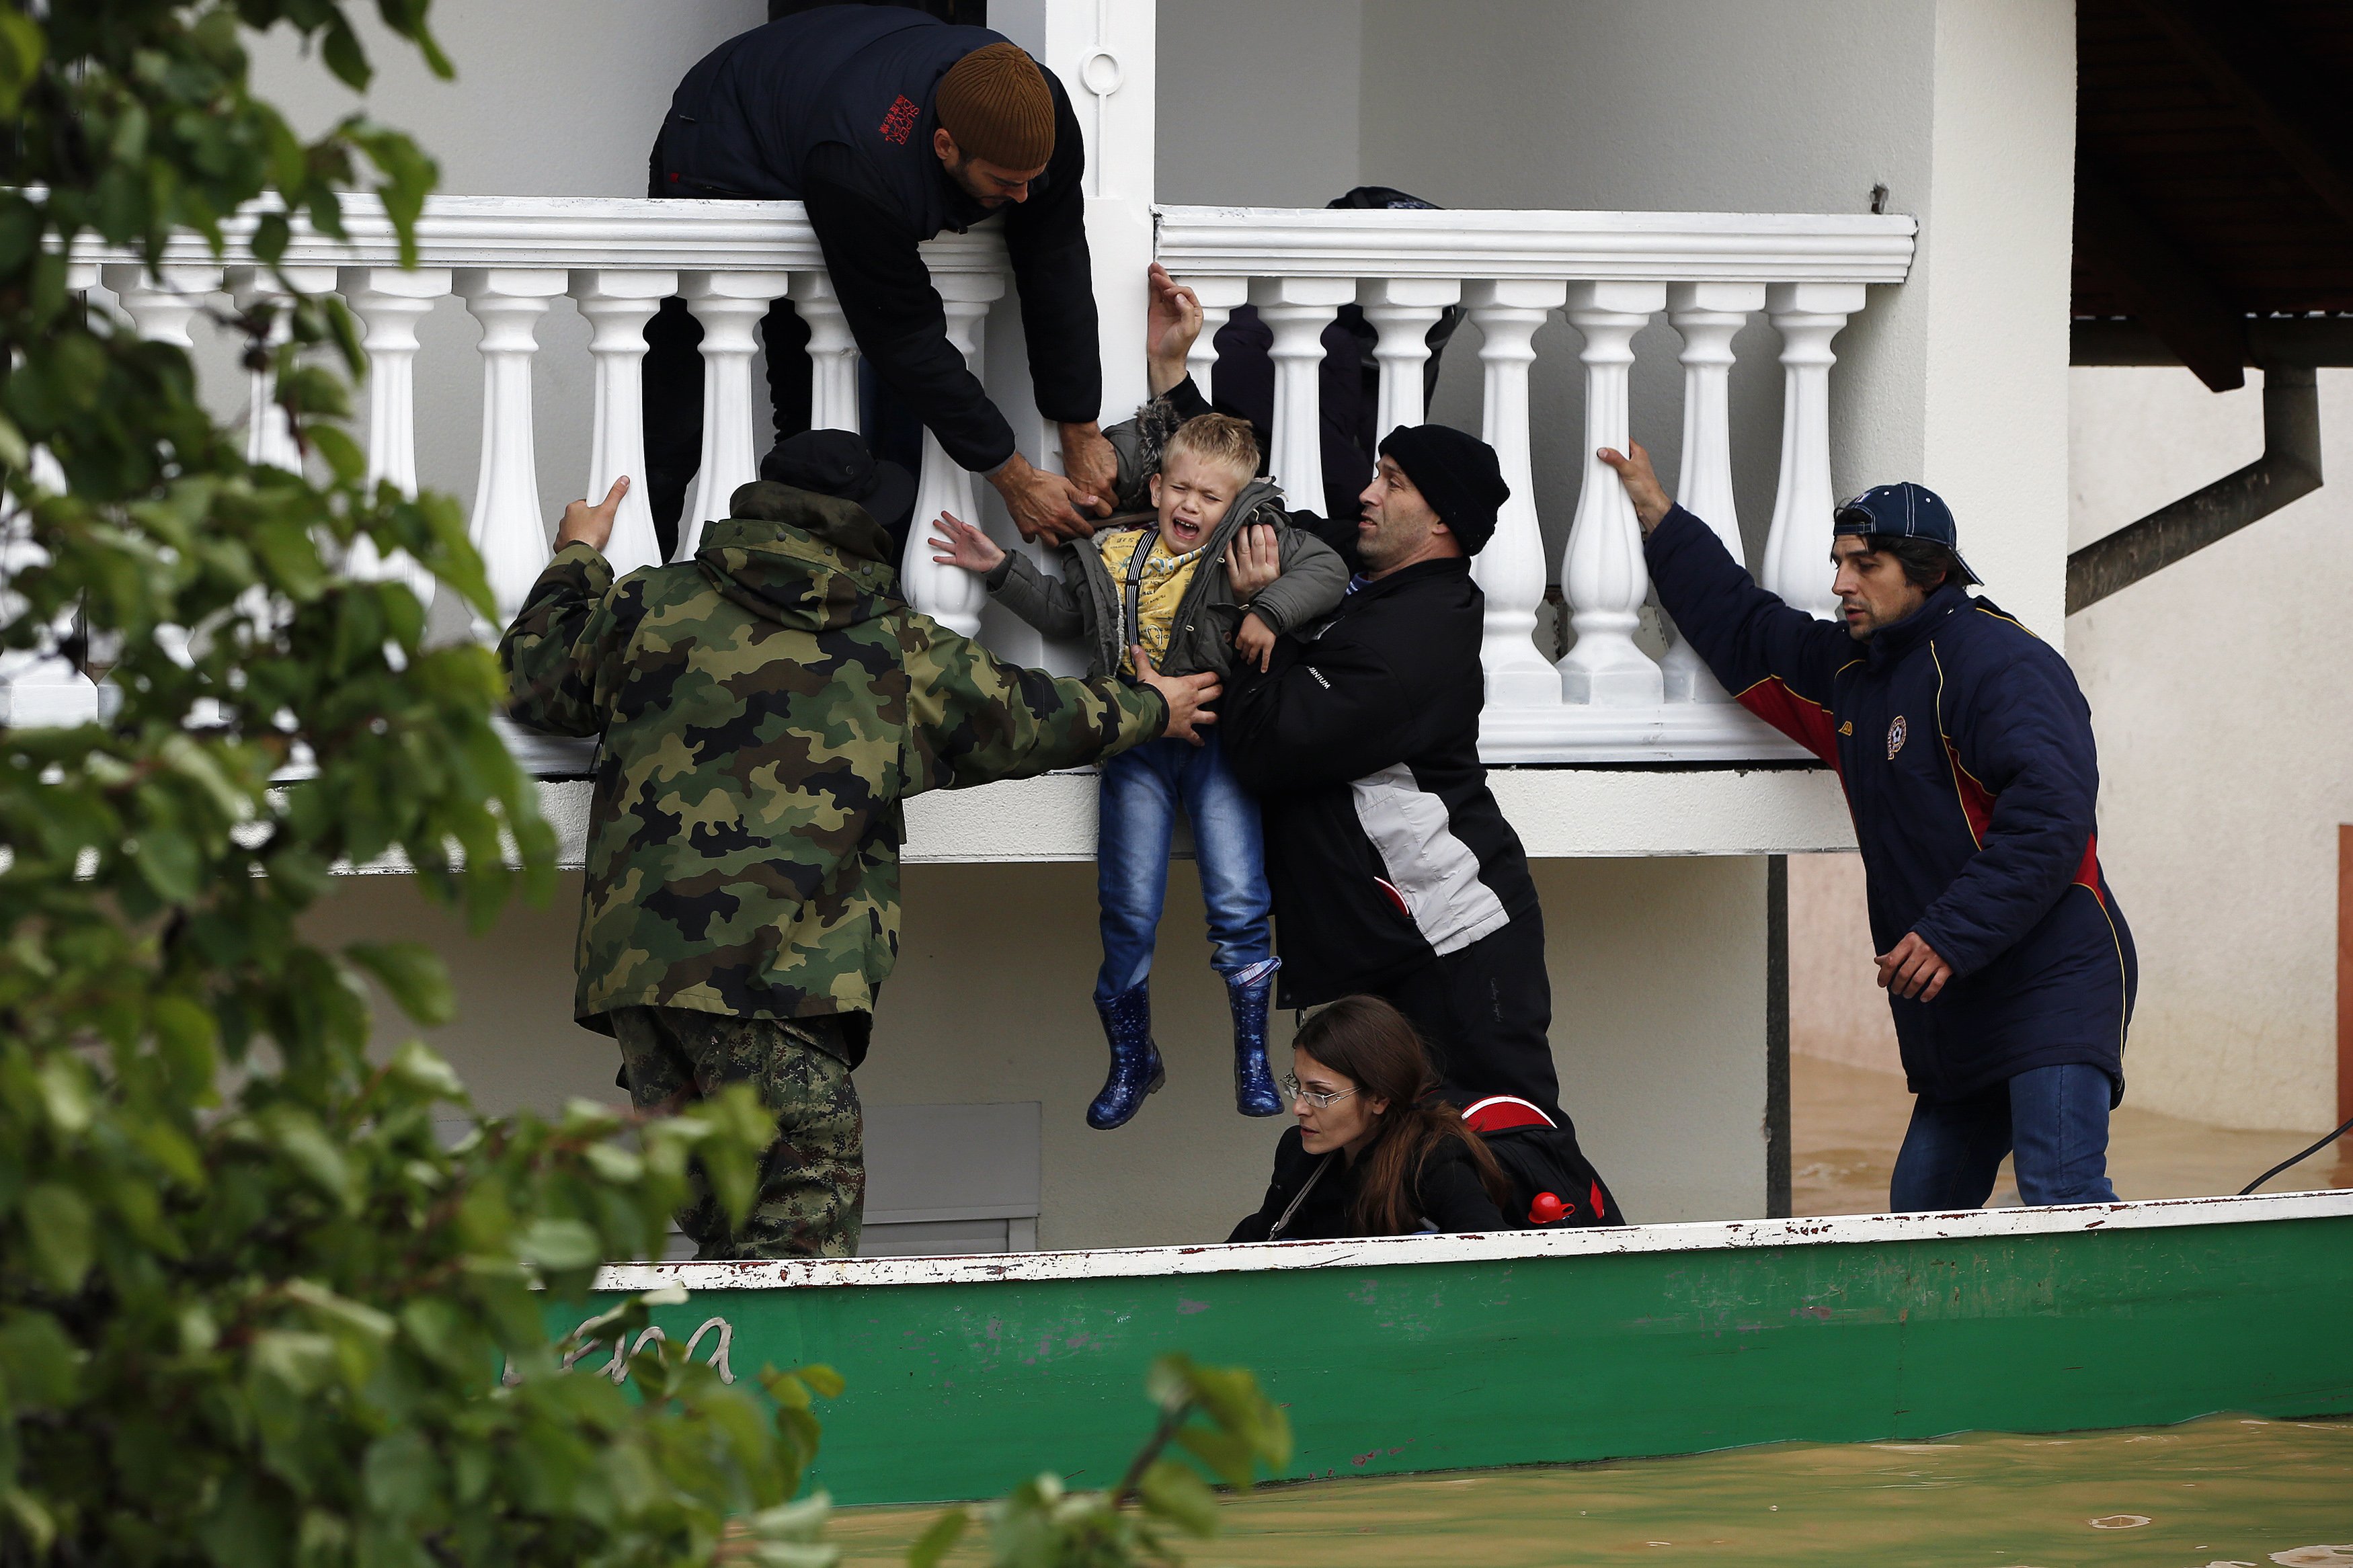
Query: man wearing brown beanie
[{"x": 890, "y": 127}]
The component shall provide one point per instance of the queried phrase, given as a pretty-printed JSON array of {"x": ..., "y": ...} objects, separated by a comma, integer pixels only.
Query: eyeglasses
[{"x": 1293, "y": 1092}]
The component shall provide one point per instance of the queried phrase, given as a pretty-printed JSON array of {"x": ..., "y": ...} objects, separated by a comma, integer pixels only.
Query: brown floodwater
[{"x": 2223, "y": 1491}]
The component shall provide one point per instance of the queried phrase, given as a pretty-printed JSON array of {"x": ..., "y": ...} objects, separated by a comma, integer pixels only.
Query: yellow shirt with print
[{"x": 1166, "y": 576}]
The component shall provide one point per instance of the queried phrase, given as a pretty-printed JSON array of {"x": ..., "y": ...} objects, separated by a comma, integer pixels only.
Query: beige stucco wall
[{"x": 991, "y": 1003}]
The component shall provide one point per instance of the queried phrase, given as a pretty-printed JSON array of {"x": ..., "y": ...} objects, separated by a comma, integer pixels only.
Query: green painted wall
[{"x": 960, "y": 1390}]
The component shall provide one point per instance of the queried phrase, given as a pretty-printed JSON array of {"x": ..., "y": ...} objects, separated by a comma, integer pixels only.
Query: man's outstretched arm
[
  {"x": 1777, "y": 661},
  {"x": 562, "y": 653}
]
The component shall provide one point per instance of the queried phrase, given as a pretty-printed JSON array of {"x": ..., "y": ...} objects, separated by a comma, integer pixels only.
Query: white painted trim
[
  {"x": 1715, "y": 1236},
  {"x": 1677, "y": 248}
]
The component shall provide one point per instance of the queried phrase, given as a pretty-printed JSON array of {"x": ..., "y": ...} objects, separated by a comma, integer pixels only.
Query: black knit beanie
[{"x": 1459, "y": 474}]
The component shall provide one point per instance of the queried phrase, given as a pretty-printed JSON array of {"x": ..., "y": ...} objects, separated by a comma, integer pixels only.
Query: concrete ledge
[{"x": 1561, "y": 813}]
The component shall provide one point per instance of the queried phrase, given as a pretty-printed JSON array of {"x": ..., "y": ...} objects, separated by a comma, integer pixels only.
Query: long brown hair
[{"x": 1369, "y": 1042}]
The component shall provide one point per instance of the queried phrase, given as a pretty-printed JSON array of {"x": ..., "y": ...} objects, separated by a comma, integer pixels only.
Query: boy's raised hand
[
  {"x": 1253, "y": 561},
  {"x": 964, "y": 545},
  {"x": 1255, "y": 640},
  {"x": 1172, "y": 320}
]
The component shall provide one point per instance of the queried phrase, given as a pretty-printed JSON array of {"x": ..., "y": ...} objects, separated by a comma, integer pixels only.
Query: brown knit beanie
[{"x": 995, "y": 103}]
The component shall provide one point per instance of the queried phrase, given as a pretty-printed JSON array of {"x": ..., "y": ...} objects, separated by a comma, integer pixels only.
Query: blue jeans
[
  {"x": 1141, "y": 790},
  {"x": 2056, "y": 1120}
]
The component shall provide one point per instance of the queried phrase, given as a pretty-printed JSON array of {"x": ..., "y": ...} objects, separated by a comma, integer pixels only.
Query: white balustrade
[
  {"x": 1403, "y": 311},
  {"x": 729, "y": 305},
  {"x": 949, "y": 594},
  {"x": 833, "y": 353},
  {"x": 269, "y": 434},
  {"x": 1219, "y": 297},
  {"x": 1797, "y": 563},
  {"x": 618, "y": 303},
  {"x": 506, "y": 527},
  {"x": 1296, "y": 310},
  {"x": 1510, "y": 569},
  {"x": 508, "y": 258},
  {"x": 1601, "y": 574},
  {"x": 390, "y": 302},
  {"x": 1708, "y": 316}
]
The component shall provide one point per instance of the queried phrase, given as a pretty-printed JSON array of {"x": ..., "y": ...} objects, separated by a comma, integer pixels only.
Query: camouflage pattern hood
[{"x": 765, "y": 708}]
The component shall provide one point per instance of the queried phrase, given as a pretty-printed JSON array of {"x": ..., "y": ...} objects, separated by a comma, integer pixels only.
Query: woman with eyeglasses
[{"x": 1376, "y": 1153}]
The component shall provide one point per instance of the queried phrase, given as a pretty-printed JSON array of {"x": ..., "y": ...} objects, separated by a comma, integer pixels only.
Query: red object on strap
[
  {"x": 1601, "y": 1211},
  {"x": 1498, "y": 1112},
  {"x": 1546, "y": 1209}
]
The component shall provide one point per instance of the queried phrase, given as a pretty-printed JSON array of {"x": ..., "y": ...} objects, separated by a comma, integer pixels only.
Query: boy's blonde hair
[{"x": 1216, "y": 438}]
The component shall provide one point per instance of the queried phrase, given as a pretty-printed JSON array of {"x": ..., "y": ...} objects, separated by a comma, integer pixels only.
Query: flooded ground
[
  {"x": 1846, "y": 1123},
  {"x": 2213, "y": 1493}
]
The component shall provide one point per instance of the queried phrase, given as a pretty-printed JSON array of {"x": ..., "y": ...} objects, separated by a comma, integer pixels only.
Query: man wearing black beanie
[{"x": 1393, "y": 870}]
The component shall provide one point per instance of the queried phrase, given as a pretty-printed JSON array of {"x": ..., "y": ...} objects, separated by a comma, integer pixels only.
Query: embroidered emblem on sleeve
[{"x": 1895, "y": 733}]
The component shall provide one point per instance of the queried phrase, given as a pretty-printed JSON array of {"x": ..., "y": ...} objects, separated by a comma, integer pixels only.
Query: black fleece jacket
[
  {"x": 1384, "y": 849},
  {"x": 1447, "y": 1194}
]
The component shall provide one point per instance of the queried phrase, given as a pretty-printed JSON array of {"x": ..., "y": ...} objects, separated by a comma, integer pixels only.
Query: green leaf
[
  {"x": 21, "y": 48},
  {"x": 1174, "y": 1493},
  {"x": 40, "y": 1364},
  {"x": 939, "y": 1539},
  {"x": 414, "y": 975},
  {"x": 550, "y": 1243},
  {"x": 57, "y": 1225}
]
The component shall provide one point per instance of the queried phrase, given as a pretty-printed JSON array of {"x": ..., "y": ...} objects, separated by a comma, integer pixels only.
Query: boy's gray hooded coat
[{"x": 1086, "y": 603}]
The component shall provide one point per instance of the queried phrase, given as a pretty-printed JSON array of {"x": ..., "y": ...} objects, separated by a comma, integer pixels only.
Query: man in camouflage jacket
[{"x": 766, "y": 707}]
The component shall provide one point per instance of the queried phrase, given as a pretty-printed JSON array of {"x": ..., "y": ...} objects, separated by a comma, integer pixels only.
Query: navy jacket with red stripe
[{"x": 1964, "y": 747}]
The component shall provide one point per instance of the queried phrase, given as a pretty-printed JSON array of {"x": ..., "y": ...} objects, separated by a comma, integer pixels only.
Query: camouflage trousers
[{"x": 812, "y": 1190}]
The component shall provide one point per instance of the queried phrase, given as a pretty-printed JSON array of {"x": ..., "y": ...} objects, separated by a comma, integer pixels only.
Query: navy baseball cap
[{"x": 1906, "y": 512}]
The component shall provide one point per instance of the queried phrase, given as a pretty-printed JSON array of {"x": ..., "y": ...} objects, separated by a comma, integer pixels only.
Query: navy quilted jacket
[{"x": 1964, "y": 747}]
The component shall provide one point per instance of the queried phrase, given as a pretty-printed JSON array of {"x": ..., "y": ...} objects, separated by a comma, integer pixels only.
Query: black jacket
[
  {"x": 1446, "y": 1194},
  {"x": 1964, "y": 747},
  {"x": 833, "y": 108},
  {"x": 1384, "y": 847}
]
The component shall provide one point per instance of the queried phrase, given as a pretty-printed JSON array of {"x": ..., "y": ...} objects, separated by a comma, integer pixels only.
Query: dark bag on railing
[{"x": 1350, "y": 385}]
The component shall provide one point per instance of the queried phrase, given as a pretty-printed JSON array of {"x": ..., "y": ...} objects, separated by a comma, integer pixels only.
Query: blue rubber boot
[
  {"x": 1135, "y": 1070},
  {"x": 1247, "y": 993}
]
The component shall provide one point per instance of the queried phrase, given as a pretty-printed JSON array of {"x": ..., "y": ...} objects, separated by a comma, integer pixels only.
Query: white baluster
[
  {"x": 1708, "y": 315},
  {"x": 39, "y": 686},
  {"x": 390, "y": 302},
  {"x": 833, "y": 350},
  {"x": 1296, "y": 310},
  {"x": 1602, "y": 574},
  {"x": 950, "y": 595},
  {"x": 507, "y": 530},
  {"x": 1797, "y": 552},
  {"x": 1403, "y": 309},
  {"x": 1511, "y": 570},
  {"x": 618, "y": 304},
  {"x": 729, "y": 305},
  {"x": 162, "y": 305},
  {"x": 1218, "y": 296},
  {"x": 269, "y": 435}
]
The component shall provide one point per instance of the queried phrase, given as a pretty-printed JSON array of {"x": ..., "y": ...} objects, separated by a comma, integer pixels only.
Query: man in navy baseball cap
[{"x": 1964, "y": 749}]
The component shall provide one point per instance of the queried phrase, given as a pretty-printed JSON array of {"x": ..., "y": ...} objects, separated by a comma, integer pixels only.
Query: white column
[
  {"x": 162, "y": 305},
  {"x": 618, "y": 304},
  {"x": 1218, "y": 296},
  {"x": 1511, "y": 570},
  {"x": 269, "y": 435},
  {"x": 1296, "y": 310},
  {"x": 833, "y": 353},
  {"x": 1402, "y": 310},
  {"x": 1797, "y": 563},
  {"x": 1708, "y": 315},
  {"x": 389, "y": 303},
  {"x": 729, "y": 305},
  {"x": 507, "y": 530},
  {"x": 949, "y": 594},
  {"x": 1602, "y": 574}
]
